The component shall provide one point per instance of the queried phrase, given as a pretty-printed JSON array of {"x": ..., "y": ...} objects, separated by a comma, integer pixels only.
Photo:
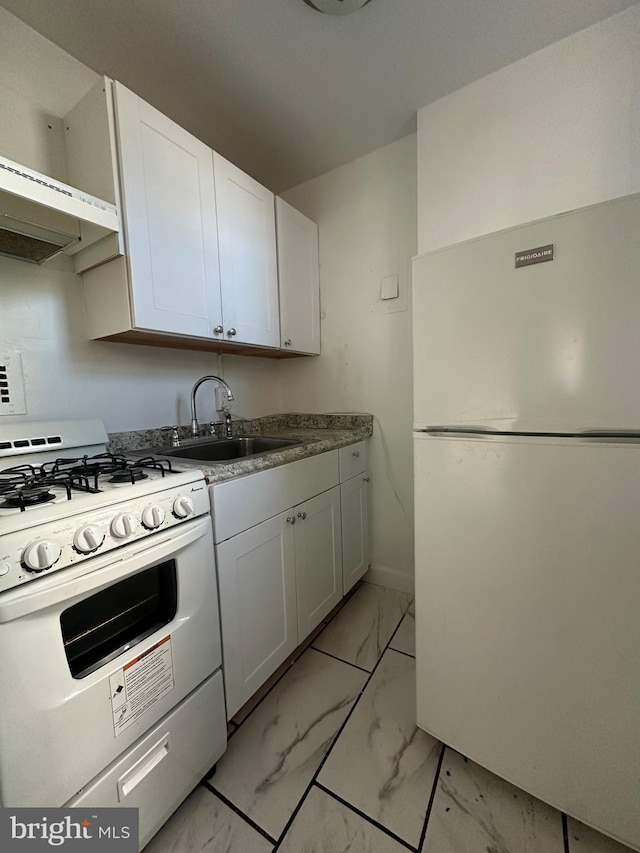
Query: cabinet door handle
[
  {"x": 302, "y": 515},
  {"x": 365, "y": 479},
  {"x": 231, "y": 333},
  {"x": 291, "y": 519},
  {"x": 356, "y": 453},
  {"x": 217, "y": 330},
  {"x": 287, "y": 343}
]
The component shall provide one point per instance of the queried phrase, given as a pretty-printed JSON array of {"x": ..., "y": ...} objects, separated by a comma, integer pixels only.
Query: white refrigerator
[{"x": 527, "y": 502}]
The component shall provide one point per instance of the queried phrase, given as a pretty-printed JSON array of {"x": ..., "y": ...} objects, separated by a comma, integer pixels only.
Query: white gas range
[{"x": 110, "y": 661}]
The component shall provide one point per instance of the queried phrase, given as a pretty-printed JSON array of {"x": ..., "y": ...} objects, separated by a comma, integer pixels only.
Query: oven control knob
[
  {"x": 152, "y": 516},
  {"x": 40, "y": 555},
  {"x": 88, "y": 538},
  {"x": 182, "y": 507},
  {"x": 123, "y": 525}
]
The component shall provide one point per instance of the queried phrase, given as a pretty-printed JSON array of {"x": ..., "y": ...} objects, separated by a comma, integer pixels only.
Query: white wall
[
  {"x": 366, "y": 212},
  {"x": 129, "y": 387},
  {"x": 39, "y": 82},
  {"x": 42, "y": 309},
  {"x": 557, "y": 130}
]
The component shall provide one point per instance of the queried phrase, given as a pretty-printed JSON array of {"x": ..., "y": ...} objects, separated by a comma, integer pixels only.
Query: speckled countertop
[{"x": 319, "y": 433}]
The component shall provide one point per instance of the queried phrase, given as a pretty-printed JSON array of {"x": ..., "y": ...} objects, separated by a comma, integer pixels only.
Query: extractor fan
[{"x": 336, "y": 7}]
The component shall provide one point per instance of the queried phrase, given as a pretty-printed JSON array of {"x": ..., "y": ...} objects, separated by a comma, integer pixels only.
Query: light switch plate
[
  {"x": 389, "y": 287},
  {"x": 12, "y": 398}
]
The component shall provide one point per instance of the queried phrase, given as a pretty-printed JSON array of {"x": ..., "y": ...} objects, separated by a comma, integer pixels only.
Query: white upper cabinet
[
  {"x": 168, "y": 199},
  {"x": 197, "y": 265},
  {"x": 248, "y": 268},
  {"x": 299, "y": 280}
]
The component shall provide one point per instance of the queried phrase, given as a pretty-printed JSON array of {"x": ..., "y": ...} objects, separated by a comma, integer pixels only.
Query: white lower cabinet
[
  {"x": 318, "y": 552},
  {"x": 354, "y": 501},
  {"x": 257, "y": 586},
  {"x": 282, "y": 537}
]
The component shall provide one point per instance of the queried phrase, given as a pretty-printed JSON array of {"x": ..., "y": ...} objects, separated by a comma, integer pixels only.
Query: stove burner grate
[
  {"x": 30, "y": 485},
  {"x": 130, "y": 474}
]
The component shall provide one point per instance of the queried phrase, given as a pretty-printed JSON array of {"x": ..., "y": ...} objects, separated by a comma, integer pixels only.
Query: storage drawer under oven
[{"x": 160, "y": 770}]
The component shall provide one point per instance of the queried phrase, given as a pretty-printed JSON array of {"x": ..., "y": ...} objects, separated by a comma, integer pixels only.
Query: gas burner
[
  {"x": 25, "y": 496},
  {"x": 128, "y": 475},
  {"x": 25, "y": 486}
]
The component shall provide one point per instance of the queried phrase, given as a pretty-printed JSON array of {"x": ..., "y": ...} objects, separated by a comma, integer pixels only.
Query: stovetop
[
  {"x": 68, "y": 501},
  {"x": 27, "y": 486}
]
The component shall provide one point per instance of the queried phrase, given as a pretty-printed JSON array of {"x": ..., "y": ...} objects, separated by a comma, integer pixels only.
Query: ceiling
[{"x": 288, "y": 93}]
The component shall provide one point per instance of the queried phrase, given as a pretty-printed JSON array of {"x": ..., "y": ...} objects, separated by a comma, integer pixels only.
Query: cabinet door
[
  {"x": 354, "y": 499},
  {"x": 318, "y": 541},
  {"x": 168, "y": 199},
  {"x": 256, "y": 576},
  {"x": 299, "y": 280},
  {"x": 248, "y": 270}
]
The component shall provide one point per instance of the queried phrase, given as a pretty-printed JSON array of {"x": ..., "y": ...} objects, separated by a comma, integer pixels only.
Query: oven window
[{"x": 99, "y": 628}]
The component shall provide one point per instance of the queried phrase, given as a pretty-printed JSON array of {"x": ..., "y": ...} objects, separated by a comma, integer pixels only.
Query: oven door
[{"x": 93, "y": 656}]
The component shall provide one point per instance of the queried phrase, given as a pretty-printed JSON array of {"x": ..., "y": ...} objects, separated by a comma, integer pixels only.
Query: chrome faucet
[{"x": 195, "y": 426}]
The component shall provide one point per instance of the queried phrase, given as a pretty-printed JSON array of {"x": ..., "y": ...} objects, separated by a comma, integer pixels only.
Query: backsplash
[{"x": 128, "y": 387}]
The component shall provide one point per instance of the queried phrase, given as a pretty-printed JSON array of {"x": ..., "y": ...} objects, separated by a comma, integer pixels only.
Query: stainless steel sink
[{"x": 226, "y": 449}]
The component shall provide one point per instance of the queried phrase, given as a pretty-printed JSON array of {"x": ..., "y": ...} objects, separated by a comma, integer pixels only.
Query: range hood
[{"x": 40, "y": 217}]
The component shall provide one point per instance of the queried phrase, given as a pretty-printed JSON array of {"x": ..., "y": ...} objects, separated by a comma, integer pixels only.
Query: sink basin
[{"x": 226, "y": 449}]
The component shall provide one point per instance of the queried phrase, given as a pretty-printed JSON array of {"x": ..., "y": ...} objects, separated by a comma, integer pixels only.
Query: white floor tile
[
  {"x": 204, "y": 824},
  {"x": 273, "y": 756},
  {"x": 473, "y": 810},
  {"x": 262, "y": 691},
  {"x": 323, "y": 825},
  {"x": 361, "y": 630},
  {"x": 583, "y": 839},
  {"x": 382, "y": 763},
  {"x": 404, "y": 640}
]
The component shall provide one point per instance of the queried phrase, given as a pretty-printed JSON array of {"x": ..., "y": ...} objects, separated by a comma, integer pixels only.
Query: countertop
[{"x": 319, "y": 434}]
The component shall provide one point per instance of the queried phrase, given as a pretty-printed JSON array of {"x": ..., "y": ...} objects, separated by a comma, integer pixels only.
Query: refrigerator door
[
  {"x": 527, "y": 605},
  {"x": 552, "y": 346}
]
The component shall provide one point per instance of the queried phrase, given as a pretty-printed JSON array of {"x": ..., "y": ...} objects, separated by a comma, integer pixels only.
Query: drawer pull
[
  {"x": 365, "y": 479},
  {"x": 141, "y": 769},
  {"x": 356, "y": 453},
  {"x": 291, "y": 519},
  {"x": 302, "y": 515}
]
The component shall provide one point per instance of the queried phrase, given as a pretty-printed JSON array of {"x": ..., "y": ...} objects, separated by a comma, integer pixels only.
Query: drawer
[
  {"x": 353, "y": 460},
  {"x": 160, "y": 771},
  {"x": 246, "y": 501}
]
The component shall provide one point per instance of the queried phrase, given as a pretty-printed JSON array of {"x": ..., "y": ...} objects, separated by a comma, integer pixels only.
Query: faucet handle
[
  {"x": 175, "y": 435},
  {"x": 215, "y": 428}
]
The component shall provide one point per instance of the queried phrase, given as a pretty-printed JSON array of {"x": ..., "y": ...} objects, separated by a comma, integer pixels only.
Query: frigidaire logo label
[
  {"x": 104, "y": 830},
  {"x": 534, "y": 256}
]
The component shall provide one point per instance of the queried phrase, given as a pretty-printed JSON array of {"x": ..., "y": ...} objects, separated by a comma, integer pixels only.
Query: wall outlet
[{"x": 12, "y": 400}]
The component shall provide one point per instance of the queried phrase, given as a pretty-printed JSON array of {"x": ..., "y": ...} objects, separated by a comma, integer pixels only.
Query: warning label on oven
[{"x": 140, "y": 684}]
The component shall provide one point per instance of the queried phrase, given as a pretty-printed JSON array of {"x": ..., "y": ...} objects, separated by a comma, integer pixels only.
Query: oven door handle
[{"x": 75, "y": 583}]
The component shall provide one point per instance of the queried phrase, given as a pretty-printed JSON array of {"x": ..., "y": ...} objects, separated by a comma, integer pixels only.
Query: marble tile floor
[{"x": 326, "y": 758}]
